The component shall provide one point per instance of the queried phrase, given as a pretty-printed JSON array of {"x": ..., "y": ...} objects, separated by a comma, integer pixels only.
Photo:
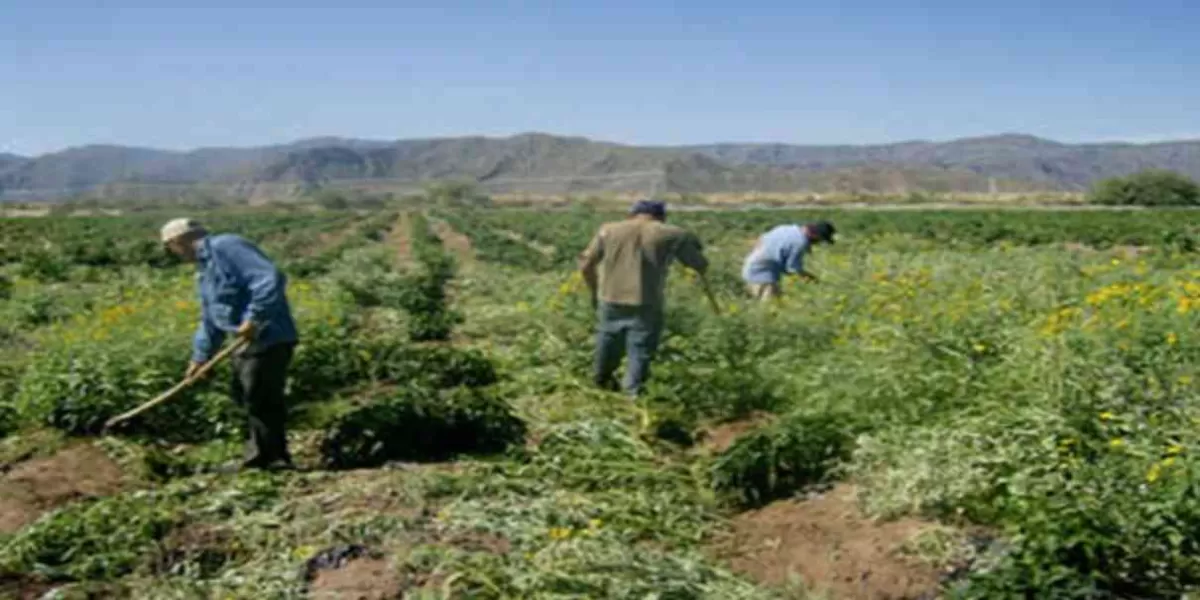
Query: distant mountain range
[{"x": 540, "y": 163}]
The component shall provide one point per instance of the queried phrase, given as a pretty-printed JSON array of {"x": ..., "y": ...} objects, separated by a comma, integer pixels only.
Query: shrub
[
  {"x": 44, "y": 265},
  {"x": 781, "y": 459},
  {"x": 1148, "y": 188},
  {"x": 422, "y": 424},
  {"x": 78, "y": 392},
  {"x": 333, "y": 358},
  {"x": 436, "y": 367}
]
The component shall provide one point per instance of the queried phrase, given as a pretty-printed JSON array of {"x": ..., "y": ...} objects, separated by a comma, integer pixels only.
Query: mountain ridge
[{"x": 543, "y": 162}]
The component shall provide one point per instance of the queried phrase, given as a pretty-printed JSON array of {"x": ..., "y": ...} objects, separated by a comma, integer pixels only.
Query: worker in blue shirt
[
  {"x": 782, "y": 250},
  {"x": 241, "y": 292}
]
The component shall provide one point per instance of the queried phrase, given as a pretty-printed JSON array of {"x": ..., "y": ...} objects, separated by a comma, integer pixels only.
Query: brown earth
[
  {"x": 455, "y": 242},
  {"x": 400, "y": 238},
  {"x": 832, "y": 547},
  {"x": 359, "y": 579},
  {"x": 37, "y": 486},
  {"x": 209, "y": 545},
  {"x": 20, "y": 587},
  {"x": 520, "y": 239},
  {"x": 719, "y": 438}
]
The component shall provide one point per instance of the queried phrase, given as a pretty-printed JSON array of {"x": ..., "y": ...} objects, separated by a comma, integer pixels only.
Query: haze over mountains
[{"x": 540, "y": 163}]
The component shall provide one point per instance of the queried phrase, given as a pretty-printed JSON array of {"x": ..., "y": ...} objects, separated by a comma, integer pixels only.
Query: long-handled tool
[
  {"x": 237, "y": 344},
  {"x": 708, "y": 292}
]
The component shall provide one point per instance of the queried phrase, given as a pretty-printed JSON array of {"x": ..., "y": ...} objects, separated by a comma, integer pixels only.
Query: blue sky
[{"x": 246, "y": 73}]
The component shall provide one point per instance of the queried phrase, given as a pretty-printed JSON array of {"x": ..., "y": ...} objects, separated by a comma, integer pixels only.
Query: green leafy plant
[
  {"x": 419, "y": 424},
  {"x": 782, "y": 458},
  {"x": 1147, "y": 188}
]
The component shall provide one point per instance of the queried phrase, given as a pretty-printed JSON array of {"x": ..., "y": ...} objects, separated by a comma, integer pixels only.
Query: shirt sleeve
[
  {"x": 795, "y": 259},
  {"x": 206, "y": 340},
  {"x": 691, "y": 253},
  {"x": 590, "y": 257},
  {"x": 264, "y": 282}
]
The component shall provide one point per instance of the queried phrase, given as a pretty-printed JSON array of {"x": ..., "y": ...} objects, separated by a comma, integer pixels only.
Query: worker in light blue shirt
[
  {"x": 242, "y": 293},
  {"x": 782, "y": 250}
]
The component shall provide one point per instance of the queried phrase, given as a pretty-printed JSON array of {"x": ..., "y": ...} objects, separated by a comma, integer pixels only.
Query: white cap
[{"x": 178, "y": 227}]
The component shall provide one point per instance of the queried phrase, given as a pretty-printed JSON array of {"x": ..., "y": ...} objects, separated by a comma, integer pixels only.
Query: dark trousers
[
  {"x": 632, "y": 330},
  {"x": 258, "y": 385}
]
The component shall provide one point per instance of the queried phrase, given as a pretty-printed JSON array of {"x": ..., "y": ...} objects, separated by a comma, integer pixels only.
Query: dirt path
[
  {"x": 458, "y": 244},
  {"x": 400, "y": 238},
  {"x": 520, "y": 239},
  {"x": 832, "y": 547}
]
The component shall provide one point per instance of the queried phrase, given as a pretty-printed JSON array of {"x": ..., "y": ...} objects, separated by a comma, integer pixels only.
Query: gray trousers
[
  {"x": 632, "y": 330},
  {"x": 259, "y": 381}
]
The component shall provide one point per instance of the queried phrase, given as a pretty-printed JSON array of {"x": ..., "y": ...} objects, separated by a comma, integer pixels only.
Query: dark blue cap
[{"x": 654, "y": 208}]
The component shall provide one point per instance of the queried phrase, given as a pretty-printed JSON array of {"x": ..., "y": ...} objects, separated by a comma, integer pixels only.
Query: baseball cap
[
  {"x": 177, "y": 227},
  {"x": 823, "y": 230},
  {"x": 654, "y": 208}
]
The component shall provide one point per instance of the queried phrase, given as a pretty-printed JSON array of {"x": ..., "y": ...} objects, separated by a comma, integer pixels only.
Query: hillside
[
  {"x": 543, "y": 163},
  {"x": 1019, "y": 157}
]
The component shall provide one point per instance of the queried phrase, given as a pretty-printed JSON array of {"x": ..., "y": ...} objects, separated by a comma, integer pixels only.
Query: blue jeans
[{"x": 635, "y": 330}]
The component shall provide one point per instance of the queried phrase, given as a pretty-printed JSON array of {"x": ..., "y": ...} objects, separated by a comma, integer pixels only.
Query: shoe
[
  {"x": 255, "y": 465},
  {"x": 276, "y": 465}
]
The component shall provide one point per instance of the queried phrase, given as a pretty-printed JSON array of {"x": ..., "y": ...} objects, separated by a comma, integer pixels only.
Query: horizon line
[{"x": 1142, "y": 140}]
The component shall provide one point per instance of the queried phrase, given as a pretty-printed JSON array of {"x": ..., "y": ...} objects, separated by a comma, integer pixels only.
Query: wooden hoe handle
[{"x": 179, "y": 387}]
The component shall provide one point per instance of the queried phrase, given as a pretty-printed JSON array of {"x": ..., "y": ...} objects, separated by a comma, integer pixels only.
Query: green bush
[
  {"x": 420, "y": 424},
  {"x": 332, "y": 358},
  {"x": 779, "y": 460},
  {"x": 45, "y": 265},
  {"x": 1100, "y": 530},
  {"x": 435, "y": 366},
  {"x": 1148, "y": 188},
  {"x": 78, "y": 392}
]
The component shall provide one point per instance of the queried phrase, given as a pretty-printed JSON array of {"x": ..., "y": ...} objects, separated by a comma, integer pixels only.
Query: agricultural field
[{"x": 970, "y": 404}]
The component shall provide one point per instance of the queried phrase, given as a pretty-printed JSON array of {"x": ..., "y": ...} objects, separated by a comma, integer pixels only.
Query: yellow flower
[
  {"x": 560, "y": 533},
  {"x": 1174, "y": 450},
  {"x": 1106, "y": 416},
  {"x": 595, "y": 523},
  {"x": 1116, "y": 443},
  {"x": 1153, "y": 474},
  {"x": 304, "y": 552},
  {"x": 980, "y": 347},
  {"x": 1172, "y": 339}
]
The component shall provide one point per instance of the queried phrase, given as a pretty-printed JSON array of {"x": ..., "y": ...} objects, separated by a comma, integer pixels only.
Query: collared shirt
[
  {"x": 633, "y": 257},
  {"x": 237, "y": 282},
  {"x": 780, "y": 250}
]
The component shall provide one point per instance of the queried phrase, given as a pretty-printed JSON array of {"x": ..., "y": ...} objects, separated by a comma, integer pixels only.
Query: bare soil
[
  {"x": 19, "y": 587},
  {"x": 359, "y": 579},
  {"x": 520, "y": 239},
  {"x": 457, "y": 243},
  {"x": 400, "y": 238},
  {"x": 828, "y": 544},
  {"x": 37, "y": 486}
]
